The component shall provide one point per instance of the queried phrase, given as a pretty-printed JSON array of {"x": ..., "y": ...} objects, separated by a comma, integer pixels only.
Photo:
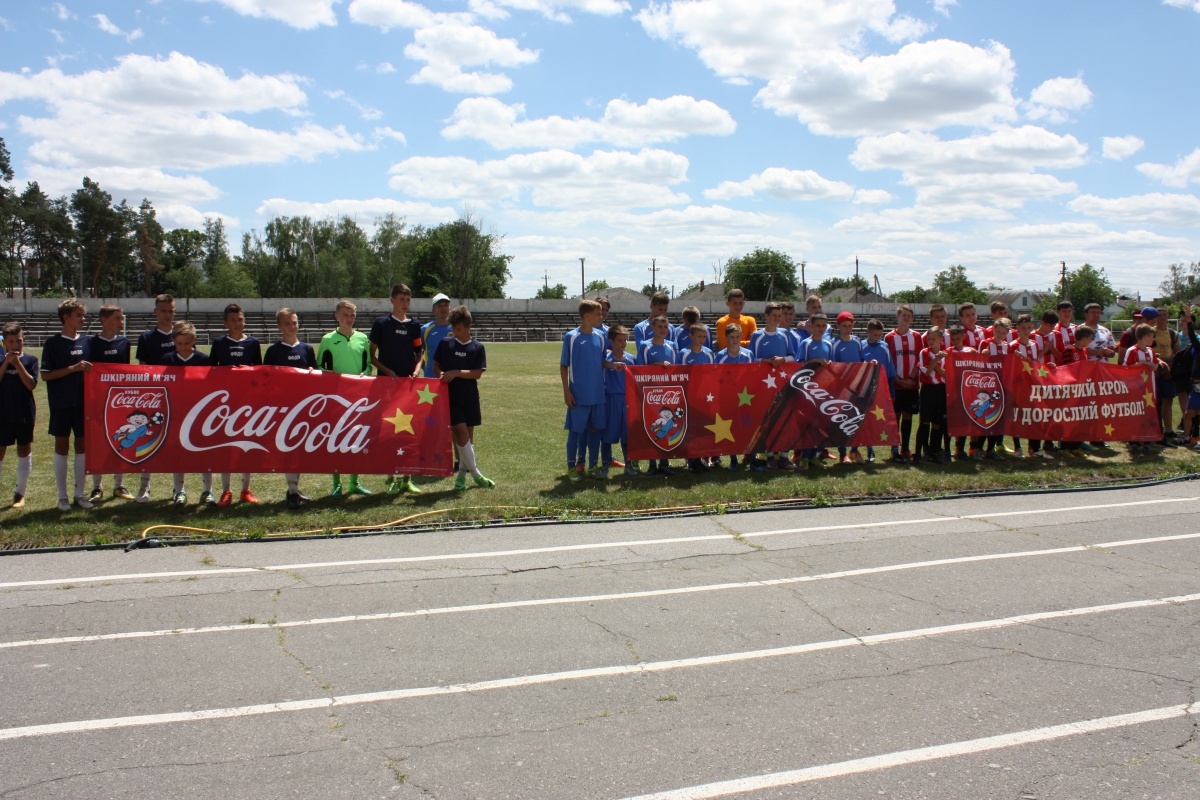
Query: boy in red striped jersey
[
  {"x": 1076, "y": 352},
  {"x": 905, "y": 345},
  {"x": 931, "y": 367},
  {"x": 968, "y": 317},
  {"x": 1142, "y": 353},
  {"x": 1027, "y": 348}
]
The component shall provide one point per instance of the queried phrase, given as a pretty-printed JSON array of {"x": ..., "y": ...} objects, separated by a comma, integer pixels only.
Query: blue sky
[{"x": 913, "y": 134}]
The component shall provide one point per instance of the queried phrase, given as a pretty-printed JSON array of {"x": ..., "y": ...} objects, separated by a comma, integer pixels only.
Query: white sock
[
  {"x": 206, "y": 481},
  {"x": 24, "y": 467},
  {"x": 466, "y": 459},
  {"x": 80, "y": 474},
  {"x": 178, "y": 476},
  {"x": 293, "y": 482},
  {"x": 224, "y": 481},
  {"x": 97, "y": 482},
  {"x": 145, "y": 483},
  {"x": 245, "y": 481},
  {"x": 60, "y": 475},
  {"x": 118, "y": 480}
]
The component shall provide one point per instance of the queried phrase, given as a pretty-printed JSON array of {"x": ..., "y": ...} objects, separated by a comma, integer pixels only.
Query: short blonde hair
[{"x": 345, "y": 304}]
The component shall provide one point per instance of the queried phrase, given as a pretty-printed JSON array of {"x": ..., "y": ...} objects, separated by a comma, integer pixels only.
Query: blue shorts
[
  {"x": 616, "y": 422},
  {"x": 1193, "y": 401},
  {"x": 585, "y": 418},
  {"x": 65, "y": 421}
]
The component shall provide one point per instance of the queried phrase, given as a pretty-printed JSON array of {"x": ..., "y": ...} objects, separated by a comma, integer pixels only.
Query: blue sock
[
  {"x": 625, "y": 450},
  {"x": 605, "y": 453},
  {"x": 572, "y": 449},
  {"x": 593, "y": 447}
]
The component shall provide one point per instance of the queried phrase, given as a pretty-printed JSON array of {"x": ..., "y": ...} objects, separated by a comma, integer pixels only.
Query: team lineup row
[{"x": 397, "y": 346}]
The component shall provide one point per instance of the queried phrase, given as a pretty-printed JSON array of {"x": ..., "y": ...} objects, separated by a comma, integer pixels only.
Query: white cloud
[
  {"x": 364, "y": 111},
  {"x": 551, "y": 178},
  {"x": 1053, "y": 98},
  {"x": 387, "y": 132},
  {"x": 108, "y": 27},
  {"x": 172, "y": 215},
  {"x": 551, "y": 9},
  {"x": 810, "y": 53},
  {"x": 1171, "y": 210},
  {"x": 447, "y": 43},
  {"x": 385, "y": 68},
  {"x": 872, "y": 197},
  {"x": 1050, "y": 230},
  {"x": 624, "y": 124},
  {"x": 1179, "y": 174},
  {"x": 784, "y": 184},
  {"x": 1194, "y": 5},
  {"x": 943, "y": 6},
  {"x": 363, "y": 211},
  {"x": 62, "y": 12},
  {"x": 300, "y": 14},
  {"x": 129, "y": 182},
  {"x": 1118, "y": 148}
]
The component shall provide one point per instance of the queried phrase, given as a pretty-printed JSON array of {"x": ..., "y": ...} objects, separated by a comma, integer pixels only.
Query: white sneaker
[
  {"x": 83, "y": 502},
  {"x": 142, "y": 497},
  {"x": 1043, "y": 454},
  {"x": 64, "y": 504}
]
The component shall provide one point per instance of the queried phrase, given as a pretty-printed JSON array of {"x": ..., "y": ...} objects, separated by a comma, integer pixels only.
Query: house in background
[
  {"x": 852, "y": 294},
  {"x": 714, "y": 292},
  {"x": 1019, "y": 301}
]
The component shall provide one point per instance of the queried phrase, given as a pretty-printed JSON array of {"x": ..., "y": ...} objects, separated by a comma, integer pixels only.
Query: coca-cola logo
[
  {"x": 982, "y": 397},
  {"x": 317, "y": 423},
  {"x": 136, "y": 421},
  {"x": 981, "y": 380},
  {"x": 664, "y": 396},
  {"x": 842, "y": 412},
  {"x": 664, "y": 416}
]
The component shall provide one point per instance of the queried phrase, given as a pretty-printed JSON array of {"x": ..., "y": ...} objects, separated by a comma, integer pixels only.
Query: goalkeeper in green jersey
[{"x": 346, "y": 352}]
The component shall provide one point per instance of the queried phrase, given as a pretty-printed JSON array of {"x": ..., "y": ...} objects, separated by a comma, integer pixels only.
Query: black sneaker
[
  {"x": 97, "y": 494},
  {"x": 293, "y": 500}
]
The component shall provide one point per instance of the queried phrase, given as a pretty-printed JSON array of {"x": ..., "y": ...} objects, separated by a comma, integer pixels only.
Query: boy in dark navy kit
[
  {"x": 18, "y": 409},
  {"x": 153, "y": 348},
  {"x": 186, "y": 355},
  {"x": 459, "y": 363},
  {"x": 291, "y": 352},
  {"x": 65, "y": 357},
  {"x": 235, "y": 349},
  {"x": 397, "y": 352},
  {"x": 109, "y": 346}
]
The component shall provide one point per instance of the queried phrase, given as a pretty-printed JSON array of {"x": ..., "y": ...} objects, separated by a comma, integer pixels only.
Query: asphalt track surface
[{"x": 1031, "y": 647}]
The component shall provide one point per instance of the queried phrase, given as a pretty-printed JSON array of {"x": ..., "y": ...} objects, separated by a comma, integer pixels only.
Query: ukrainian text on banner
[
  {"x": 263, "y": 419},
  {"x": 1087, "y": 401},
  {"x": 975, "y": 395},
  {"x": 735, "y": 409}
]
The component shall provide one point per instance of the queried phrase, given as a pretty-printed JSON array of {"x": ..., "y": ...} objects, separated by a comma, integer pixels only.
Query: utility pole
[
  {"x": 803, "y": 283},
  {"x": 582, "y": 280},
  {"x": 654, "y": 274},
  {"x": 1066, "y": 287},
  {"x": 546, "y": 277},
  {"x": 856, "y": 278}
]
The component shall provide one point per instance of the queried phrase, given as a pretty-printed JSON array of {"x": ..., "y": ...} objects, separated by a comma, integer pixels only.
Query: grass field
[{"x": 522, "y": 446}]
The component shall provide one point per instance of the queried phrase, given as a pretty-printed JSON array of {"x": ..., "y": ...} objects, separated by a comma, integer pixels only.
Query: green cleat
[
  {"x": 484, "y": 482},
  {"x": 393, "y": 485},
  {"x": 409, "y": 487},
  {"x": 460, "y": 481},
  {"x": 595, "y": 473},
  {"x": 336, "y": 491},
  {"x": 575, "y": 476},
  {"x": 356, "y": 488}
]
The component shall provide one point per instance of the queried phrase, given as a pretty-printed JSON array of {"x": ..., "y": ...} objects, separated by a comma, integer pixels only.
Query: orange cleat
[
  {"x": 247, "y": 497},
  {"x": 226, "y": 499}
]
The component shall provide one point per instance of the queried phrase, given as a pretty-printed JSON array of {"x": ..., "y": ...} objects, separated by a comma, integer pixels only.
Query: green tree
[
  {"x": 44, "y": 240},
  {"x": 833, "y": 284},
  {"x": 761, "y": 272},
  {"x": 1089, "y": 285},
  {"x": 1182, "y": 283},
  {"x": 392, "y": 249},
  {"x": 953, "y": 286},
  {"x": 9, "y": 246},
  {"x": 915, "y": 295},
  {"x": 556, "y": 292},
  {"x": 96, "y": 223},
  {"x": 597, "y": 286},
  {"x": 216, "y": 244},
  {"x": 183, "y": 261},
  {"x": 149, "y": 237},
  {"x": 649, "y": 289},
  {"x": 458, "y": 258},
  {"x": 228, "y": 279}
]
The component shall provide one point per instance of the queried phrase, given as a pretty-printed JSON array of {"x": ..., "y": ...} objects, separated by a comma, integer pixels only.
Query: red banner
[
  {"x": 1088, "y": 401},
  {"x": 736, "y": 409},
  {"x": 263, "y": 419},
  {"x": 976, "y": 400}
]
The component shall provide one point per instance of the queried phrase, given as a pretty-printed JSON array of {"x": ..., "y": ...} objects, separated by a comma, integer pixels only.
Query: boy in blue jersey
[
  {"x": 658, "y": 350},
  {"x": 877, "y": 350},
  {"x": 110, "y": 347},
  {"x": 616, "y": 427},
  {"x": 788, "y": 323},
  {"x": 435, "y": 330},
  {"x": 818, "y": 350},
  {"x": 775, "y": 347},
  {"x": 289, "y": 351},
  {"x": 847, "y": 349},
  {"x": 235, "y": 349},
  {"x": 154, "y": 346},
  {"x": 186, "y": 355},
  {"x": 644, "y": 330},
  {"x": 697, "y": 353},
  {"x": 65, "y": 357},
  {"x": 18, "y": 408},
  {"x": 581, "y": 368},
  {"x": 397, "y": 352},
  {"x": 460, "y": 362},
  {"x": 734, "y": 353},
  {"x": 681, "y": 335}
]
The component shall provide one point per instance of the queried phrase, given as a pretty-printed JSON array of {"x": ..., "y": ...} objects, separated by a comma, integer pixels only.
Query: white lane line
[
  {"x": 595, "y": 598},
  {"x": 901, "y": 758},
  {"x": 82, "y": 726},
  {"x": 565, "y": 548}
]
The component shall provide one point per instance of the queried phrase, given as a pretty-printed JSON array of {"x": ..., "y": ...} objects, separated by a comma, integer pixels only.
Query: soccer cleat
[
  {"x": 1088, "y": 448},
  {"x": 666, "y": 469},
  {"x": 977, "y": 455},
  {"x": 336, "y": 491},
  {"x": 770, "y": 463},
  {"x": 652, "y": 469},
  {"x": 180, "y": 499},
  {"x": 695, "y": 468},
  {"x": 356, "y": 488},
  {"x": 933, "y": 457},
  {"x": 632, "y": 471},
  {"x": 64, "y": 504},
  {"x": 83, "y": 502},
  {"x": 994, "y": 455},
  {"x": 847, "y": 460},
  {"x": 248, "y": 497},
  {"x": 575, "y": 476},
  {"x": 293, "y": 500},
  {"x": 827, "y": 455},
  {"x": 944, "y": 455},
  {"x": 18, "y": 501},
  {"x": 870, "y": 455},
  {"x": 226, "y": 499},
  {"x": 206, "y": 498},
  {"x": 757, "y": 465},
  {"x": 1042, "y": 454},
  {"x": 143, "y": 497},
  {"x": 614, "y": 464},
  {"x": 856, "y": 457},
  {"x": 906, "y": 455},
  {"x": 409, "y": 486},
  {"x": 121, "y": 493},
  {"x": 1017, "y": 452},
  {"x": 960, "y": 455},
  {"x": 733, "y": 464},
  {"x": 782, "y": 462},
  {"x": 596, "y": 473},
  {"x": 393, "y": 485},
  {"x": 97, "y": 494},
  {"x": 715, "y": 462},
  {"x": 460, "y": 481},
  {"x": 484, "y": 482}
]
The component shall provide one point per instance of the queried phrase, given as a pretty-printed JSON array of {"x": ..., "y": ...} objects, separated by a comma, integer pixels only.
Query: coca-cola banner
[
  {"x": 263, "y": 419},
  {"x": 1088, "y": 401},
  {"x": 976, "y": 400},
  {"x": 735, "y": 409}
]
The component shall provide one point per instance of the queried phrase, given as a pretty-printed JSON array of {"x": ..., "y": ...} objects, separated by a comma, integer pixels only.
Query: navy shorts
[
  {"x": 66, "y": 421},
  {"x": 933, "y": 403},
  {"x": 1194, "y": 398},
  {"x": 467, "y": 414},
  {"x": 15, "y": 433},
  {"x": 908, "y": 401},
  {"x": 585, "y": 418}
]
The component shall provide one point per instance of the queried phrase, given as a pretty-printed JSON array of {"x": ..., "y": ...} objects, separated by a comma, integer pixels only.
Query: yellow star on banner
[
  {"x": 1108, "y": 430},
  {"x": 1149, "y": 398},
  {"x": 1025, "y": 366},
  {"x": 401, "y": 422},
  {"x": 1042, "y": 372},
  {"x": 744, "y": 397},
  {"x": 426, "y": 395},
  {"x": 721, "y": 428}
]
